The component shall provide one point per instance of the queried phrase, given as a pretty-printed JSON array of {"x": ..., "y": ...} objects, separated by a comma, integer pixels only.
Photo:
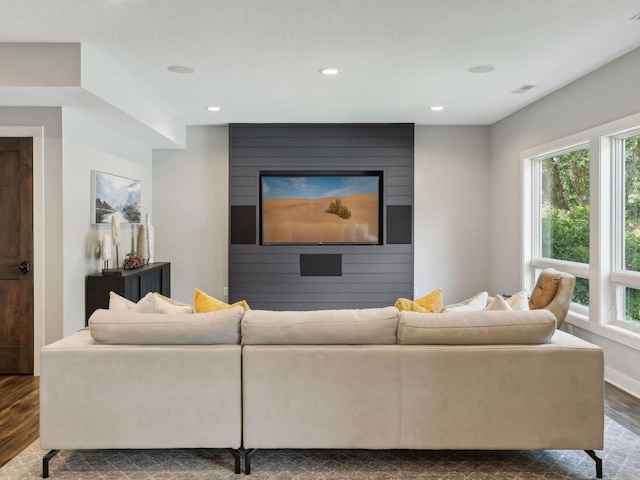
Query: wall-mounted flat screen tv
[{"x": 320, "y": 208}]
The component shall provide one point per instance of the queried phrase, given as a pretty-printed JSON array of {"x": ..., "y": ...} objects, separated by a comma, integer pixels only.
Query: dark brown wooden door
[{"x": 16, "y": 255}]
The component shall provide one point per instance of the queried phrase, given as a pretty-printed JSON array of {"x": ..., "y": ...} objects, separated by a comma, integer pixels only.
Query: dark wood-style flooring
[
  {"x": 20, "y": 410},
  {"x": 19, "y": 414},
  {"x": 622, "y": 407}
]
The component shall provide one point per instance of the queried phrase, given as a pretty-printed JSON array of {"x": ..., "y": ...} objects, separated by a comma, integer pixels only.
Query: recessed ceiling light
[
  {"x": 180, "y": 69},
  {"x": 436, "y": 108},
  {"x": 213, "y": 109},
  {"x": 523, "y": 88},
  {"x": 329, "y": 71},
  {"x": 481, "y": 69}
]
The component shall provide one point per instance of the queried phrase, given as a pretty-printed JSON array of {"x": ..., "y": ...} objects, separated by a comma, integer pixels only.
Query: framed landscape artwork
[{"x": 116, "y": 194}]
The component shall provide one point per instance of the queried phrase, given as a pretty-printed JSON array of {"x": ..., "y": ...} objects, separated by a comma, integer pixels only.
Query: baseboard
[{"x": 622, "y": 381}]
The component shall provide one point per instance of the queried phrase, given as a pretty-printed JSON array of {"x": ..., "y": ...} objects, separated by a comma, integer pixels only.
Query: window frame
[{"x": 621, "y": 278}]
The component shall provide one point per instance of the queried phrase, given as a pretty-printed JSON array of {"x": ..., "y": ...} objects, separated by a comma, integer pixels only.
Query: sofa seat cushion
[
  {"x": 476, "y": 328},
  {"x": 133, "y": 328},
  {"x": 371, "y": 326}
]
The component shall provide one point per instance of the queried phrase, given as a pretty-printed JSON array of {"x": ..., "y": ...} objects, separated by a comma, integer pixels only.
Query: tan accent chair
[{"x": 553, "y": 291}]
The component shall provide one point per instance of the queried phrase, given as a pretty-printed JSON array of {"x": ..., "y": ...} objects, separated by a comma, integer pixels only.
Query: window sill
[{"x": 612, "y": 332}]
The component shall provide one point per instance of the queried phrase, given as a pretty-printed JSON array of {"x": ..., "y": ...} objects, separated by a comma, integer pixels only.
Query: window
[
  {"x": 561, "y": 218},
  {"x": 581, "y": 215},
  {"x": 627, "y": 229}
]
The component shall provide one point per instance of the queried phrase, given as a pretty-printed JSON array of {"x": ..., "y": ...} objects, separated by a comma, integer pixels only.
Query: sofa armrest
[{"x": 139, "y": 396}]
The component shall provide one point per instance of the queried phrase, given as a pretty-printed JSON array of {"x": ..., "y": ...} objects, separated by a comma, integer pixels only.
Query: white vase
[
  {"x": 150, "y": 239},
  {"x": 143, "y": 243}
]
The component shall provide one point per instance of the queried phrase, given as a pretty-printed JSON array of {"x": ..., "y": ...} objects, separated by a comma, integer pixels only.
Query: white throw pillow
[
  {"x": 167, "y": 305},
  {"x": 519, "y": 301},
  {"x": 474, "y": 304},
  {"x": 150, "y": 303},
  {"x": 120, "y": 304},
  {"x": 498, "y": 304}
]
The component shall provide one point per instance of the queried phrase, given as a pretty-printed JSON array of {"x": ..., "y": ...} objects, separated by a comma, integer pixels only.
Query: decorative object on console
[
  {"x": 143, "y": 243},
  {"x": 114, "y": 194},
  {"x": 207, "y": 303},
  {"x": 107, "y": 240},
  {"x": 150, "y": 239},
  {"x": 116, "y": 234},
  {"x": 105, "y": 250},
  {"x": 132, "y": 261}
]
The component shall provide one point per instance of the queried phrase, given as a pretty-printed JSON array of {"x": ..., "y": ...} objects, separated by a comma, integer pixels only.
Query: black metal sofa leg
[
  {"x": 53, "y": 453},
  {"x": 247, "y": 460},
  {"x": 236, "y": 458},
  {"x": 598, "y": 461},
  {"x": 45, "y": 462}
]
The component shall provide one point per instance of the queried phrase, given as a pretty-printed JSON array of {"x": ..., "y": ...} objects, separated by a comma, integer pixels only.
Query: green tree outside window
[
  {"x": 565, "y": 212},
  {"x": 632, "y": 223}
]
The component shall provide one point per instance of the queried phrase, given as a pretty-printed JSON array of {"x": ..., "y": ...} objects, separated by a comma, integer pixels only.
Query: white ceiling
[{"x": 259, "y": 60}]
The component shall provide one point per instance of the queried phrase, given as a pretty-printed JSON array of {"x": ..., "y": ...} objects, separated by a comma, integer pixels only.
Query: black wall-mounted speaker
[
  {"x": 399, "y": 221},
  {"x": 243, "y": 225}
]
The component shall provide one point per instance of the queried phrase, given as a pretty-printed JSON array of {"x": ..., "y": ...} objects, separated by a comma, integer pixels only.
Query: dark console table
[{"x": 132, "y": 284}]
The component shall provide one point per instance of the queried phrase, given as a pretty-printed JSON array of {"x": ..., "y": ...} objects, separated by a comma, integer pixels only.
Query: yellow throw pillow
[
  {"x": 206, "y": 303},
  {"x": 433, "y": 301},
  {"x": 430, "y": 303}
]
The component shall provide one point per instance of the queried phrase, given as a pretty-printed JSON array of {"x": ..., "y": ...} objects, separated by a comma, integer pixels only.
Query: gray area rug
[{"x": 621, "y": 457}]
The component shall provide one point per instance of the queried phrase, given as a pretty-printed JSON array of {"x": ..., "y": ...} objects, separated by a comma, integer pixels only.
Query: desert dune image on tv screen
[{"x": 320, "y": 209}]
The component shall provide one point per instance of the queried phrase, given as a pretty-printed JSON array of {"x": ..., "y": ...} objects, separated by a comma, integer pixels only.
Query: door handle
[{"x": 24, "y": 267}]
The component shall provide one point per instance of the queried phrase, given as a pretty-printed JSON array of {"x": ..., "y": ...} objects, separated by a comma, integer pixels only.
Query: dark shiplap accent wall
[{"x": 268, "y": 277}]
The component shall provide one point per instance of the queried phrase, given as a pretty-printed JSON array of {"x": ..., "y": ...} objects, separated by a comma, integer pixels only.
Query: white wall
[
  {"x": 451, "y": 235},
  {"x": 607, "y": 94},
  {"x": 191, "y": 212},
  {"x": 89, "y": 146}
]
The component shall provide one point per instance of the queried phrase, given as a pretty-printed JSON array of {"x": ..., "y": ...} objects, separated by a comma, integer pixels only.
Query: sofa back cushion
[
  {"x": 134, "y": 328},
  {"x": 371, "y": 326},
  {"x": 476, "y": 328}
]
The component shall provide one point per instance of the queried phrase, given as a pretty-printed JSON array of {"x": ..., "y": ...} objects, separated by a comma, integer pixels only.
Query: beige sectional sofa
[
  {"x": 479, "y": 380},
  {"x": 154, "y": 381},
  {"x": 372, "y": 379}
]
